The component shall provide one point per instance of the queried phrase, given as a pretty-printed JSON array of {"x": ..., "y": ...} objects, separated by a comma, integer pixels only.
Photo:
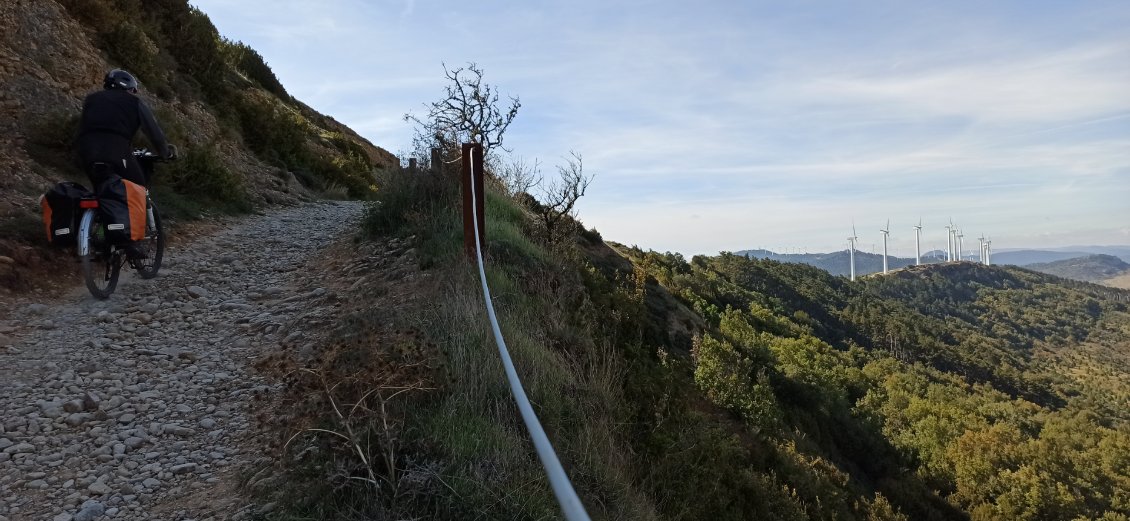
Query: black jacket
[{"x": 110, "y": 119}]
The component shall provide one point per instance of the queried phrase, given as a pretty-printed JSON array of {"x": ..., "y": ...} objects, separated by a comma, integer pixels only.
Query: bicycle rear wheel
[
  {"x": 153, "y": 245},
  {"x": 101, "y": 265}
]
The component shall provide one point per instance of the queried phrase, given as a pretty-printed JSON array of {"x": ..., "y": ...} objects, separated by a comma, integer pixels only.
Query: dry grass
[
  {"x": 1121, "y": 281},
  {"x": 404, "y": 411}
]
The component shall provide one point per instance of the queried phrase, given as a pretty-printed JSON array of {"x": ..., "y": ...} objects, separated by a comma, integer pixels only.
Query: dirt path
[{"x": 138, "y": 407}]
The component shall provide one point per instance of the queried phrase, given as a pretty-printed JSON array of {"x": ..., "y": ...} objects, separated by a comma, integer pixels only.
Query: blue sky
[{"x": 726, "y": 125}]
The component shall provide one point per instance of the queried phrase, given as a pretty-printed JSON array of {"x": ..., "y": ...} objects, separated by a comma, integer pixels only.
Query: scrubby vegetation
[
  {"x": 729, "y": 388},
  {"x": 949, "y": 389},
  {"x": 715, "y": 388},
  {"x": 178, "y": 55}
]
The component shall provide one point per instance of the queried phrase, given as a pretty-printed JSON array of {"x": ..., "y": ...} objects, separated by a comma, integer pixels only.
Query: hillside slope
[
  {"x": 1091, "y": 268},
  {"x": 244, "y": 141},
  {"x": 937, "y": 369},
  {"x": 1121, "y": 281},
  {"x": 711, "y": 388}
]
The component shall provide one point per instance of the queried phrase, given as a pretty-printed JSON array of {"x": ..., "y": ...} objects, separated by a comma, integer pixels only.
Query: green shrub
[
  {"x": 135, "y": 51},
  {"x": 251, "y": 63},
  {"x": 201, "y": 176},
  {"x": 98, "y": 14},
  {"x": 271, "y": 130},
  {"x": 402, "y": 198},
  {"x": 736, "y": 381},
  {"x": 195, "y": 44},
  {"x": 345, "y": 171},
  {"x": 50, "y": 142},
  {"x": 56, "y": 130},
  {"x": 348, "y": 147},
  {"x": 23, "y": 226}
]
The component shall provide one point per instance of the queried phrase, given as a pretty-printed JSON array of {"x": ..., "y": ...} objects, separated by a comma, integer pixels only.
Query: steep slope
[
  {"x": 957, "y": 362},
  {"x": 245, "y": 142},
  {"x": 711, "y": 388}
]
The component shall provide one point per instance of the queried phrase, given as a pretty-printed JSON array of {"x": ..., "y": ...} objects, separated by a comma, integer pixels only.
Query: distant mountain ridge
[
  {"x": 1091, "y": 268},
  {"x": 837, "y": 262},
  {"x": 1026, "y": 256}
]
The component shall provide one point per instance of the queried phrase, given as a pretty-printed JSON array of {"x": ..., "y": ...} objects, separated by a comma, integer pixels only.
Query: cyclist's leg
[
  {"x": 98, "y": 172},
  {"x": 134, "y": 172}
]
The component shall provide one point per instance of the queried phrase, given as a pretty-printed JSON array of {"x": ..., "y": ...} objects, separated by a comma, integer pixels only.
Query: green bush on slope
[
  {"x": 620, "y": 407},
  {"x": 178, "y": 54},
  {"x": 971, "y": 404}
]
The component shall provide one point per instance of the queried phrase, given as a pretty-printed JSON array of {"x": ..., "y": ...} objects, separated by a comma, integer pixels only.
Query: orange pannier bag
[
  {"x": 122, "y": 204},
  {"x": 61, "y": 212}
]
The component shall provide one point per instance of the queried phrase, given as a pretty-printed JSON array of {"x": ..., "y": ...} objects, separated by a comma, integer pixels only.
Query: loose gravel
[{"x": 139, "y": 406}]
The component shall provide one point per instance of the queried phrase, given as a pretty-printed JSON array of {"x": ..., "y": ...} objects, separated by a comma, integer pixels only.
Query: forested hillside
[
  {"x": 948, "y": 390},
  {"x": 245, "y": 142},
  {"x": 716, "y": 387}
]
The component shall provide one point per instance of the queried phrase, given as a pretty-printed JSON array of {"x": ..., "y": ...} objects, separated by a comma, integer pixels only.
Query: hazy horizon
[{"x": 1078, "y": 248}]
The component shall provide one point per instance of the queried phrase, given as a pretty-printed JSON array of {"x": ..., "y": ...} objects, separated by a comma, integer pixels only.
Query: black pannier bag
[
  {"x": 61, "y": 212},
  {"x": 122, "y": 205}
]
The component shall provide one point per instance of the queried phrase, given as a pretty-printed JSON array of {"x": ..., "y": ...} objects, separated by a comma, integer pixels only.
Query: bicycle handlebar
[{"x": 147, "y": 154}]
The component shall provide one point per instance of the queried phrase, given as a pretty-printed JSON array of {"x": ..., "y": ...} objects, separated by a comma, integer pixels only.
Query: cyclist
[{"x": 110, "y": 119}]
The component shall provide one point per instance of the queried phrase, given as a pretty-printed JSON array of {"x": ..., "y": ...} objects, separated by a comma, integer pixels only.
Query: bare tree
[
  {"x": 469, "y": 112},
  {"x": 560, "y": 196},
  {"x": 519, "y": 176}
]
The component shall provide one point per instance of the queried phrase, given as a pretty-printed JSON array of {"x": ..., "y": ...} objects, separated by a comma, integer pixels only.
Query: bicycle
[{"x": 102, "y": 261}]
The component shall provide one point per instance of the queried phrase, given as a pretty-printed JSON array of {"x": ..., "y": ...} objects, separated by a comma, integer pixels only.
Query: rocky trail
[{"x": 140, "y": 406}]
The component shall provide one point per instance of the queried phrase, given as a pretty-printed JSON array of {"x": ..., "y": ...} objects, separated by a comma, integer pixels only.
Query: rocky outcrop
[{"x": 47, "y": 63}]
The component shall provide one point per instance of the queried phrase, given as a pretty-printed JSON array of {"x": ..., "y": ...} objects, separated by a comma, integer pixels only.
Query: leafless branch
[
  {"x": 468, "y": 112},
  {"x": 559, "y": 198}
]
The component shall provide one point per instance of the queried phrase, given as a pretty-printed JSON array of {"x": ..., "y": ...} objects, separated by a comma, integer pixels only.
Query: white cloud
[
  {"x": 709, "y": 123},
  {"x": 1070, "y": 84}
]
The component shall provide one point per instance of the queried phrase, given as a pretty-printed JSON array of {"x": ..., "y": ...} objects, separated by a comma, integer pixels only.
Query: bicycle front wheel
[
  {"x": 100, "y": 265},
  {"x": 154, "y": 243}
]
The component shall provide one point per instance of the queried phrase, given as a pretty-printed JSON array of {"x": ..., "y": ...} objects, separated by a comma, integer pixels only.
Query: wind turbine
[
  {"x": 917, "y": 243},
  {"x": 851, "y": 242},
  {"x": 989, "y": 252},
  {"x": 886, "y": 232},
  {"x": 960, "y": 245},
  {"x": 981, "y": 250},
  {"x": 949, "y": 241}
]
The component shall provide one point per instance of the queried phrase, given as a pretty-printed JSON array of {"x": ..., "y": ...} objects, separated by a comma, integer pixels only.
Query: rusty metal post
[
  {"x": 480, "y": 192},
  {"x": 472, "y": 175}
]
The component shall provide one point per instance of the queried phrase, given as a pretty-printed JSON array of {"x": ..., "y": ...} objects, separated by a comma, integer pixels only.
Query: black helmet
[{"x": 119, "y": 79}]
